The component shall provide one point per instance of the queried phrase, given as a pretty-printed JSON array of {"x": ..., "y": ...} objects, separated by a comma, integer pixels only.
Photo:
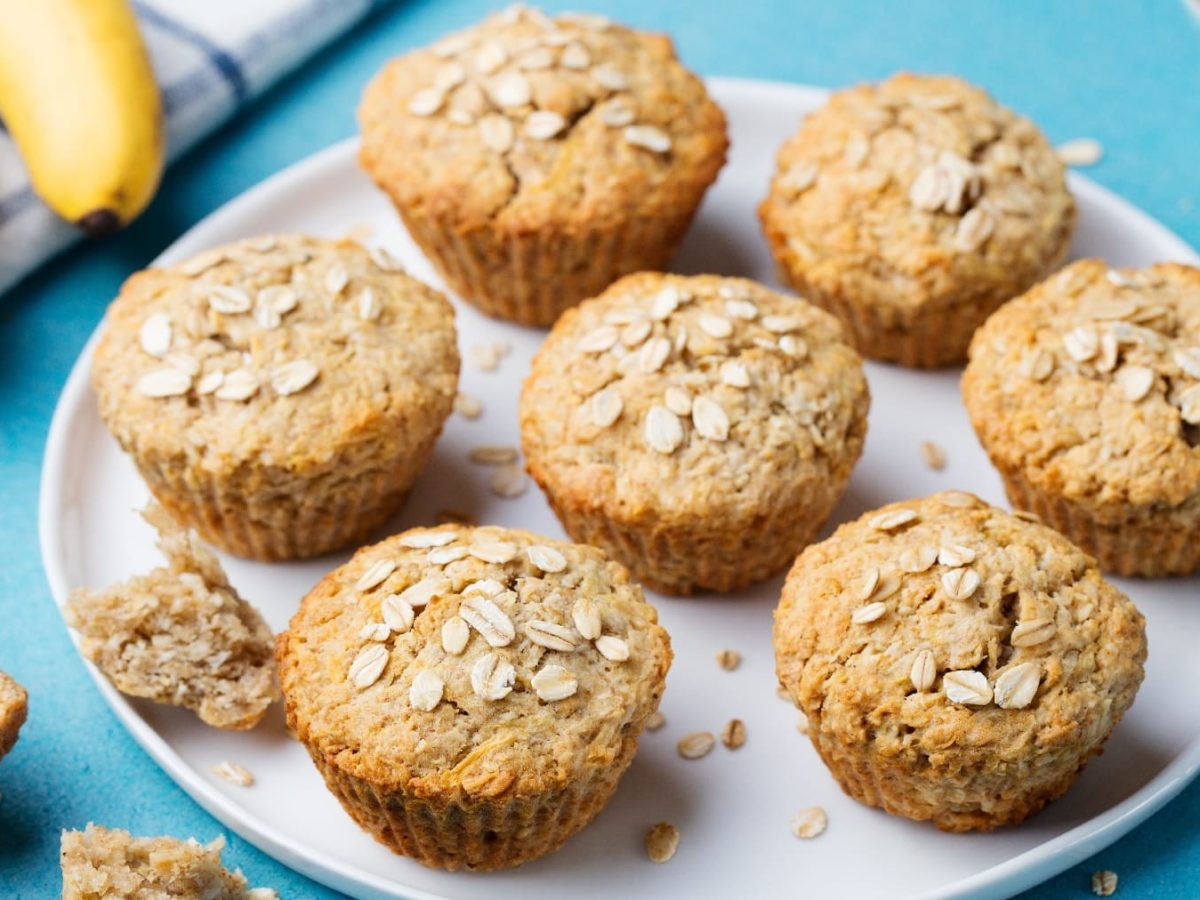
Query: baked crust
[
  {"x": 891, "y": 727},
  {"x": 14, "y": 708},
  {"x": 1085, "y": 392},
  {"x": 912, "y": 209},
  {"x": 274, "y": 466},
  {"x": 741, "y": 490},
  {"x": 522, "y": 184},
  {"x": 461, "y": 780}
]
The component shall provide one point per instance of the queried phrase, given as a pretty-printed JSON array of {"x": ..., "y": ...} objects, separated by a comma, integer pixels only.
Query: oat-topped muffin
[
  {"x": 279, "y": 394},
  {"x": 956, "y": 663},
  {"x": 1085, "y": 393},
  {"x": 535, "y": 160},
  {"x": 698, "y": 429},
  {"x": 180, "y": 634},
  {"x": 473, "y": 695},
  {"x": 14, "y": 707},
  {"x": 912, "y": 209},
  {"x": 104, "y": 863}
]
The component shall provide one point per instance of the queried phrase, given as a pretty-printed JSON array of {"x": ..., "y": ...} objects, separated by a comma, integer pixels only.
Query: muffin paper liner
[
  {"x": 1145, "y": 544},
  {"x": 469, "y": 831}
]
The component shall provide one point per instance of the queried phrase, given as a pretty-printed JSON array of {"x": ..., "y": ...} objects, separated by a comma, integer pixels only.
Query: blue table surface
[{"x": 1126, "y": 73}]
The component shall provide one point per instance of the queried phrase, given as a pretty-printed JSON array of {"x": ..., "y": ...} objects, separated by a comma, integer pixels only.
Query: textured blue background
[{"x": 1127, "y": 73}]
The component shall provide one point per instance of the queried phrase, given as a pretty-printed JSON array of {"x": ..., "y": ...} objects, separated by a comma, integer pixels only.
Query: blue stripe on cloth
[{"x": 221, "y": 61}]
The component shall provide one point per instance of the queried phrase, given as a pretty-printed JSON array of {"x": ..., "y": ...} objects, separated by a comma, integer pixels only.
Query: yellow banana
[{"x": 78, "y": 96}]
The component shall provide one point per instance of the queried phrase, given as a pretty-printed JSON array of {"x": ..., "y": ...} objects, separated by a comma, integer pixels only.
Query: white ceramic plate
[{"x": 732, "y": 808}]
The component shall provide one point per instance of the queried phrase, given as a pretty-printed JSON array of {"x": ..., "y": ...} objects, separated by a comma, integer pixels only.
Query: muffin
[
  {"x": 535, "y": 160},
  {"x": 473, "y": 695},
  {"x": 1085, "y": 393},
  {"x": 180, "y": 635},
  {"x": 912, "y": 209},
  {"x": 14, "y": 707},
  {"x": 699, "y": 429},
  {"x": 956, "y": 663},
  {"x": 278, "y": 394},
  {"x": 102, "y": 863}
]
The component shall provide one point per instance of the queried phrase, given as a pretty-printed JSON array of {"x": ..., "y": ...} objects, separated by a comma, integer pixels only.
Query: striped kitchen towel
[{"x": 210, "y": 58}]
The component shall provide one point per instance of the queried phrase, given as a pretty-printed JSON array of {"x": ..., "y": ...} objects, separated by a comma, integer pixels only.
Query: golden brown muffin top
[
  {"x": 947, "y": 630},
  {"x": 525, "y": 120},
  {"x": 1090, "y": 385},
  {"x": 14, "y": 706},
  {"x": 691, "y": 394},
  {"x": 919, "y": 190},
  {"x": 481, "y": 660},
  {"x": 278, "y": 350}
]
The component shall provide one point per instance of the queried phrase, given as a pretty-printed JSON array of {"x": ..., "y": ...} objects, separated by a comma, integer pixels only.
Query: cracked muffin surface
[
  {"x": 473, "y": 695},
  {"x": 956, "y": 663},
  {"x": 700, "y": 429},
  {"x": 1085, "y": 393},
  {"x": 912, "y": 209},
  {"x": 537, "y": 159},
  {"x": 281, "y": 393}
]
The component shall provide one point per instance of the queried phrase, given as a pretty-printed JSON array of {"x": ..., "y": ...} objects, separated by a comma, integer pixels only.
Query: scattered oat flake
[
  {"x": 733, "y": 735},
  {"x": 293, "y": 377},
  {"x": 508, "y": 481},
  {"x": 709, "y": 419},
  {"x": 368, "y": 665},
  {"x": 1016, "y": 687},
  {"x": 234, "y": 773},
  {"x": 918, "y": 559},
  {"x": 497, "y": 133},
  {"x": 664, "y": 433},
  {"x": 1080, "y": 152},
  {"x": 960, "y": 584},
  {"x": 492, "y": 678},
  {"x": 809, "y": 823},
  {"x": 484, "y": 357},
  {"x": 612, "y": 648},
  {"x": 553, "y": 682},
  {"x": 1032, "y": 632},
  {"x": 955, "y": 555},
  {"x": 550, "y": 635},
  {"x": 155, "y": 334},
  {"x": 586, "y": 616},
  {"x": 376, "y": 574},
  {"x": 542, "y": 124},
  {"x": 655, "y": 721},
  {"x": 423, "y": 540},
  {"x": 493, "y": 454},
  {"x": 455, "y": 635},
  {"x": 606, "y": 406},
  {"x": 865, "y": 615},
  {"x": 426, "y": 102},
  {"x": 696, "y": 744},
  {"x": 648, "y": 137},
  {"x": 662, "y": 840},
  {"x": 164, "y": 383},
  {"x": 425, "y": 692},
  {"x": 1104, "y": 883},
  {"x": 967, "y": 687},
  {"x": 728, "y": 659},
  {"x": 398, "y": 614},
  {"x": 933, "y": 455},
  {"x": 893, "y": 519},
  {"x": 488, "y": 619},
  {"x": 467, "y": 406},
  {"x": 546, "y": 558},
  {"x": 924, "y": 670},
  {"x": 609, "y": 76}
]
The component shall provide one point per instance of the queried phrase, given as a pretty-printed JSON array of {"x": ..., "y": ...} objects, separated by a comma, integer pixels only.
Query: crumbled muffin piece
[
  {"x": 14, "y": 706},
  {"x": 102, "y": 863},
  {"x": 181, "y": 634}
]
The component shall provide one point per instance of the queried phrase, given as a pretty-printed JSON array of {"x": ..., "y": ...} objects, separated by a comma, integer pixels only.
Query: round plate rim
[{"x": 1020, "y": 872}]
